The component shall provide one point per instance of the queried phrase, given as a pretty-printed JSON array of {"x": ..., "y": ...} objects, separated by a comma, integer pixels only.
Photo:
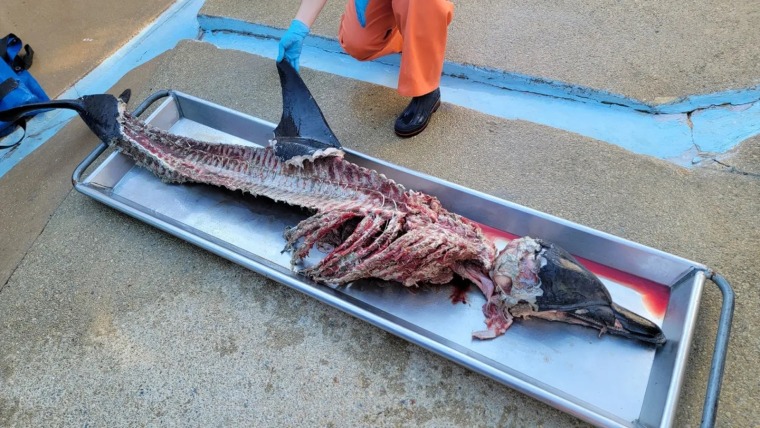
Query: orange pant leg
[
  {"x": 417, "y": 28},
  {"x": 424, "y": 27},
  {"x": 378, "y": 38}
]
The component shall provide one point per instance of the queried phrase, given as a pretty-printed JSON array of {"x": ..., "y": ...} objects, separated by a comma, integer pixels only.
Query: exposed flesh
[
  {"x": 390, "y": 232},
  {"x": 368, "y": 225}
]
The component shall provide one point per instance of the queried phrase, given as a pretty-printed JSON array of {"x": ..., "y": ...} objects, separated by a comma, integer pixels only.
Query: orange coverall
[{"x": 418, "y": 28}]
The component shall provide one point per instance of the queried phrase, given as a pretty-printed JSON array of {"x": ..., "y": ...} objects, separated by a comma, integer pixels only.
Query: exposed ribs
[
  {"x": 368, "y": 225},
  {"x": 376, "y": 227}
]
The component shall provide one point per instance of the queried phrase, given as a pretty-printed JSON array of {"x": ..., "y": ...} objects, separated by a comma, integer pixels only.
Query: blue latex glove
[
  {"x": 361, "y": 10},
  {"x": 291, "y": 43}
]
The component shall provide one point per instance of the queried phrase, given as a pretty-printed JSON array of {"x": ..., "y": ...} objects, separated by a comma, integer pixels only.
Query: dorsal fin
[{"x": 303, "y": 131}]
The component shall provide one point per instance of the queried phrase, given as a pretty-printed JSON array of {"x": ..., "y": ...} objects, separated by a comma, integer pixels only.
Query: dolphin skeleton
[{"x": 373, "y": 227}]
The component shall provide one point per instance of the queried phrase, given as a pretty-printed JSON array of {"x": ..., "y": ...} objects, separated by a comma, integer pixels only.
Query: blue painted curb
[{"x": 679, "y": 132}]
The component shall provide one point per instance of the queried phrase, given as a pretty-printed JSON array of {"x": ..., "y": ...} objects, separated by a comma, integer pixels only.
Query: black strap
[
  {"x": 7, "y": 86},
  {"x": 19, "y": 62},
  {"x": 22, "y": 123}
]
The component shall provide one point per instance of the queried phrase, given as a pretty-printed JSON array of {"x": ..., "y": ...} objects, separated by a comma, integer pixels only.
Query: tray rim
[{"x": 694, "y": 275}]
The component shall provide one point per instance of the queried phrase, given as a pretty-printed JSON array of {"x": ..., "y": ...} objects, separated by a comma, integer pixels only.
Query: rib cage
[{"x": 385, "y": 231}]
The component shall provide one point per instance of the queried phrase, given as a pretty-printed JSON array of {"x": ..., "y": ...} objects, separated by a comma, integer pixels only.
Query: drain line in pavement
[{"x": 178, "y": 22}]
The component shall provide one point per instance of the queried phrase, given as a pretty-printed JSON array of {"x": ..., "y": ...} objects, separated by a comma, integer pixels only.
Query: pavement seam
[
  {"x": 697, "y": 159},
  {"x": 734, "y": 170}
]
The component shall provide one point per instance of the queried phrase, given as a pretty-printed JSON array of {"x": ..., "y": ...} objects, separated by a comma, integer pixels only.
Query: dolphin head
[{"x": 535, "y": 278}]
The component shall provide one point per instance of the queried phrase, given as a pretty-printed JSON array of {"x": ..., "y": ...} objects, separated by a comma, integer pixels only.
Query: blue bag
[{"x": 17, "y": 85}]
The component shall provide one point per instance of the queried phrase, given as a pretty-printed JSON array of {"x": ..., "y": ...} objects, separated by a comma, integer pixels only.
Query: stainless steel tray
[{"x": 606, "y": 381}]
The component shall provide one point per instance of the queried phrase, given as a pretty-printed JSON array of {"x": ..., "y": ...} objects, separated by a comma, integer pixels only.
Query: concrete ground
[
  {"x": 71, "y": 38},
  {"x": 106, "y": 321}
]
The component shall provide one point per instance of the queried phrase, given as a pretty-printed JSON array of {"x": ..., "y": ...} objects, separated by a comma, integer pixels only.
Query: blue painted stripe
[
  {"x": 679, "y": 131},
  {"x": 506, "y": 80}
]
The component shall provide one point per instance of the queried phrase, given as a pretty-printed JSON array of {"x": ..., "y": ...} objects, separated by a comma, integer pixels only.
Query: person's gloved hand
[
  {"x": 291, "y": 43},
  {"x": 361, "y": 10}
]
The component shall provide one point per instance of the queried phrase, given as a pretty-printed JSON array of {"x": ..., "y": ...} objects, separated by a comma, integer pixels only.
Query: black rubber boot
[{"x": 416, "y": 115}]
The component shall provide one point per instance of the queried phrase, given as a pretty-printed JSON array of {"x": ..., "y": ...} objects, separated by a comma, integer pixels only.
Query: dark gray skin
[
  {"x": 579, "y": 297},
  {"x": 100, "y": 112},
  {"x": 303, "y": 130}
]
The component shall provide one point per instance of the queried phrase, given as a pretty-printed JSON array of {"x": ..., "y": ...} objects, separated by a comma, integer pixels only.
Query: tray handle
[
  {"x": 76, "y": 176},
  {"x": 709, "y": 412}
]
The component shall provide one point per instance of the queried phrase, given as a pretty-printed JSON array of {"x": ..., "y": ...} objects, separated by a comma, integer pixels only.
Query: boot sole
[{"x": 421, "y": 128}]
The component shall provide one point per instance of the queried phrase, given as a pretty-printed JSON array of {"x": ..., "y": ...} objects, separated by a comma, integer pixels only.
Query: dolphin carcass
[{"x": 370, "y": 226}]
